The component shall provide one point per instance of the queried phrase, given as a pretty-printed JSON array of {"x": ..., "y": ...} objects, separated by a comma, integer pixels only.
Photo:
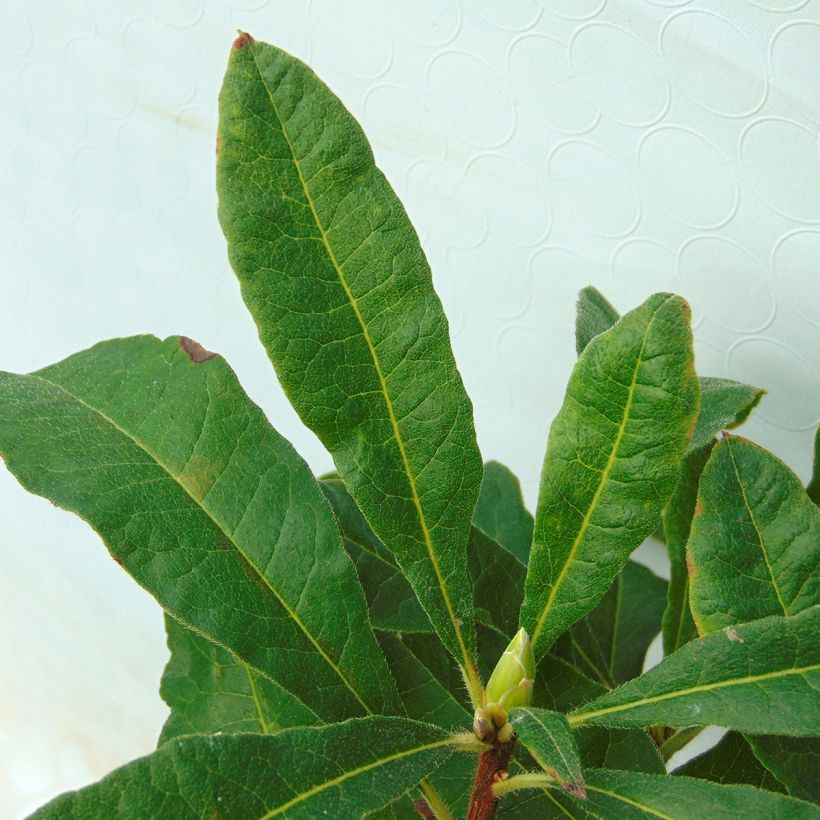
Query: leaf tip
[
  {"x": 242, "y": 40},
  {"x": 196, "y": 352}
]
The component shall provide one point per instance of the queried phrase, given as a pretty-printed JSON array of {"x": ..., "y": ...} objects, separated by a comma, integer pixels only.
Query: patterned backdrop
[{"x": 538, "y": 146}]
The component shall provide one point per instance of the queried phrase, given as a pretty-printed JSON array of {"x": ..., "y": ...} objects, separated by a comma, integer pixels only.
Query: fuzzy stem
[
  {"x": 434, "y": 802},
  {"x": 492, "y": 762},
  {"x": 530, "y": 780}
]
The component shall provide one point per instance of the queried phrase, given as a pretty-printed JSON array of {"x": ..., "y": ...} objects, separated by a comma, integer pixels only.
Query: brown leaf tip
[
  {"x": 196, "y": 352},
  {"x": 576, "y": 789},
  {"x": 242, "y": 40}
]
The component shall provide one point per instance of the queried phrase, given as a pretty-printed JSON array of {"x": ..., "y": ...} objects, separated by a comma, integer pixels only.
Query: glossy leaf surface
[
  {"x": 794, "y": 761},
  {"x": 334, "y": 276},
  {"x": 628, "y": 795},
  {"x": 612, "y": 460},
  {"x": 755, "y": 542},
  {"x": 157, "y": 446},
  {"x": 340, "y": 771},
  {"x": 501, "y": 513},
  {"x": 209, "y": 690},
  {"x": 610, "y": 643},
  {"x": 730, "y": 678}
]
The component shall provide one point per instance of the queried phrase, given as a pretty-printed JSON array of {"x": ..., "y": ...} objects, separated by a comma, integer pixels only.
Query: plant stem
[
  {"x": 530, "y": 780},
  {"x": 434, "y": 803},
  {"x": 482, "y": 800},
  {"x": 676, "y": 741}
]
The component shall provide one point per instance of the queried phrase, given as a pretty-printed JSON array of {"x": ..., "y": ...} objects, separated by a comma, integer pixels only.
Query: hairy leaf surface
[
  {"x": 754, "y": 547},
  {"x": 724, "y": 404},
  {"x": 730, "y": 678},
  {"x": 628, "y": 795},
  {"x": 157, "y": 446},
  {"x": 501, "y": 513},
  {"x": 612, "y": 461},
  {"x": 209, "y": 690},
  {"x": 334, "y": 276},
  {"x": 813, "y": 488},
  {"x": 549, "y": 740},
  {"x": 594, "y": 315},
  {"x": 339, "y": 771}
]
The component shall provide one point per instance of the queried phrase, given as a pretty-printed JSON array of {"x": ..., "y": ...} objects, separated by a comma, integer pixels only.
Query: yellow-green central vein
[
  {"x": 577, "y": 718},
  {"x": 469, "y": 666},
  {"x": 198, "y": 503},
  {"x": 335, "y": 781},
  {"x": 593, "y": 504}
]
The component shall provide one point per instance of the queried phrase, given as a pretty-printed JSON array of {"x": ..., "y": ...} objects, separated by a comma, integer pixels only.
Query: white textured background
[{"x": 538, "y": 146}]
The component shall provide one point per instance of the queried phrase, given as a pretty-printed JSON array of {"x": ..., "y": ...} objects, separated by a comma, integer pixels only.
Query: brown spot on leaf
[
  {"x": 576, "y": 789},
  {"x": 217, "y": 144},
  {"x": 242, "y": 40},
  {"x": 690, "y": 567},
  {"x": 732, "y": 635},
  {"x": 698, "y": 508},
  {"x": 118, "y": 560},
  {"x": 196, "y": 352}
]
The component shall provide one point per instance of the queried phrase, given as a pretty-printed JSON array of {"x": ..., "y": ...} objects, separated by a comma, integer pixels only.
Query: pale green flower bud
[{"x": 511, "y": 682}]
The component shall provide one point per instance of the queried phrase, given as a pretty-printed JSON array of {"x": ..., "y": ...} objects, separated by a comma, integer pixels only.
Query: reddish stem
[{"x": 490, "y": 764}]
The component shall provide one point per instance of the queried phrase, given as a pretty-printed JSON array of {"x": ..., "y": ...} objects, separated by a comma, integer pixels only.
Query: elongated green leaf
[
  {"x": 593, "y": 316},
  {"x": 501, "y": 513},
  {"x": 333, "y": 274},
  {"x": 730, "y": 678},
  {"x": 612, "y": 461},
  {"x": 678, "y": 625},
  {"x": 794, "y": 761},
  {"x": 813, "y": 488},
  {"x": 339, "y": 771},
  {"x": 610, "y": 643},
  {"x": 730, "y": 761},
  {"x": 724, "y": 404},
  {"x": 390, "y": 598},
  {"x": 156, "y": 445},
  {"x": 209, "y": 690},
  {"x": 628, "y": 795},
  {"x": 754, "y": 547},
  {"x": 498, "y": 582},
  {"x": 549, "y": 740}
]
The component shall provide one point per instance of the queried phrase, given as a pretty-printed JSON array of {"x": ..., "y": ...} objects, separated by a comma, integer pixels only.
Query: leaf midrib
[
  {"x": 635, "y": 803},
  {"x": 157, "y": 460},
  {"x": 374, "y": 764},
  {"x": 576, "y": 544},
  {"x": 577, "y": 717},
  {"x": 759, "y": 534},
  {"x": 469, "y": 666}
]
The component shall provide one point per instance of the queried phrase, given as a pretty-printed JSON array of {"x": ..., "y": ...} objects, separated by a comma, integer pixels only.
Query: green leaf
[
  {"x": 794, "y": 761},
  {"x": 755, "y": 540},
  {"x": 549, "y": 740},
  {"x": 157, "y": 446},
  {"x": 610, "y": 643},
  {"x": 678, "y": 625},
  {"x": 498, "y": 582},
  {"x": 628, "y": 795},
  {"x": 334, "y": 276},
  {"x": 813, "y": 488},
  {"x": 730, "y": 678},
  {"x": 501, "y": 513},
  {"x": 339, "y": 771},
  {"x": 593, "y": 316},
  {"x": 730, "y": 761},
  {"x": 390, "y": 598},
  {"x": 209, "y": 690},
  {"x": 612, "y": 460},
  {"x": 724, "y": 405}
]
